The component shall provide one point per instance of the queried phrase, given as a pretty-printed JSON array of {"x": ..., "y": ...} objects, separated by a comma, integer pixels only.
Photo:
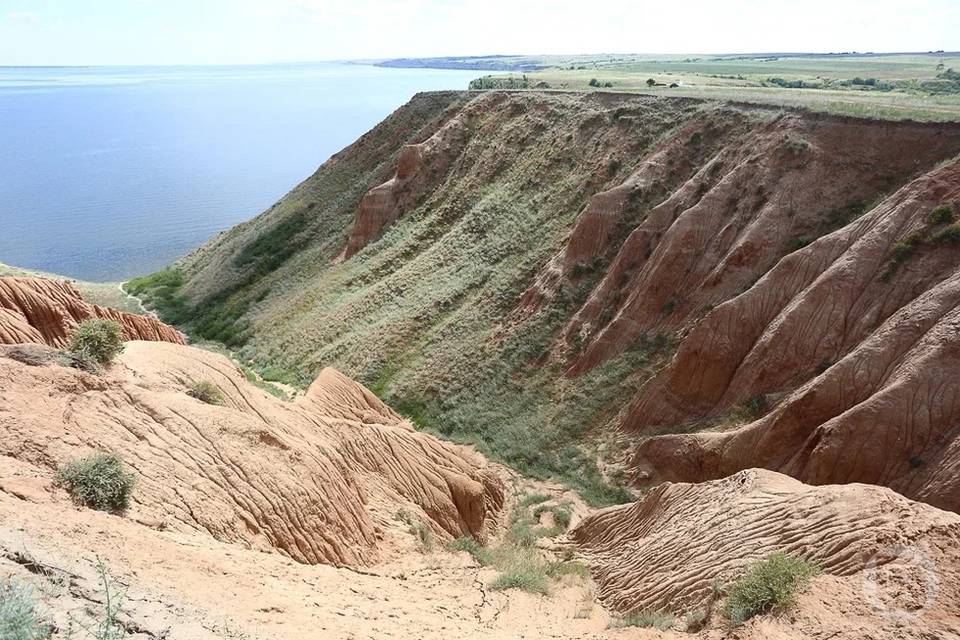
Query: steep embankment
[
  {"x": 514, "y": 267},
  {"x": 45, "y": 311}
]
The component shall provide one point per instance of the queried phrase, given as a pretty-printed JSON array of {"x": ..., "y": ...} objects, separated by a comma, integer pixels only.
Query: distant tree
[
  {"x": 594, "y": 82},
  {"x": 651, "y": 82}
]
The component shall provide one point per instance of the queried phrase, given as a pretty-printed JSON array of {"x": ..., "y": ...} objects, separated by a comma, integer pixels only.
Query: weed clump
[
  {"x": 649, "y": 619},
  {"x": 942, "y": 214},
  {"x": 767, "y": 586},
  {"x": 530, "y": 579},
  {"x": 420, "y": 531},
  {"x": 19, "y": 616},
  {"x": 206, "y": 391},
  {"x": 481, "y": 554},
  {"x": 98, "y": 481},
  {"x": 96, "y": 342}
]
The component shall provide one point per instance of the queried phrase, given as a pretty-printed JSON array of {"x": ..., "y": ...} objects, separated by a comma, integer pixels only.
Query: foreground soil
[{"x": 329, "y": 517}]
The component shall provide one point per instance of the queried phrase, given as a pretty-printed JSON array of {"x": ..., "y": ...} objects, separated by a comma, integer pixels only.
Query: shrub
[
  {"x": 98, "y": 481},
  {"x": 651, "y": 82},
  {"x": 529, "y": 579},
  {"x": 768, "y": 585},
  {"x": 594, "y": 82},
  {"x": 19, "y": 617},
  {"x": 557, "y": 569},
  {"x": 205, "y": 391},
  {"x": 696, "y": 620},
  {"x": 480, "y": 553},
  {"x": 941, "y": 214},
  {"x": 650, "y": 619},
  {"x": 97, "y": 340},
  {"x": 948, "y": 235}
]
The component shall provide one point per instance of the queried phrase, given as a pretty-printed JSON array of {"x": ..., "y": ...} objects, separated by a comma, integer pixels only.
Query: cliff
[{"x": 536, "y": 271}]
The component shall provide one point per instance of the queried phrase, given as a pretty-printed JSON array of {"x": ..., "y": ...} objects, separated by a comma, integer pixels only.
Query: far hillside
[{"x": 918, "y": 86}]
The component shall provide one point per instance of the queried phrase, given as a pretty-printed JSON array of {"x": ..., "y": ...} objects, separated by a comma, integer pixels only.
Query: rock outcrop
[
  {"x": 852, "y": 338},
  {"x": 320, "y": 479},
  {"x": 39, "y": 310},
  {"x": 886, "y": 561}
]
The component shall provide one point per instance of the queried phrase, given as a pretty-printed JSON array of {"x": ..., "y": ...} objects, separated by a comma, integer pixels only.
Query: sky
[{"x": 128, "y": 32}]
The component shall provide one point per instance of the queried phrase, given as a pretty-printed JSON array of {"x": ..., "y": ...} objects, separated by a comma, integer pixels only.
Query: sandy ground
[{"x": 189, "y": 586}]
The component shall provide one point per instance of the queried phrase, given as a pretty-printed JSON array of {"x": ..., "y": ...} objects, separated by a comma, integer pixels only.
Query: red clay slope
[
  {"x": 46, "y": 312},
  {"x": 860, "y": 348}
]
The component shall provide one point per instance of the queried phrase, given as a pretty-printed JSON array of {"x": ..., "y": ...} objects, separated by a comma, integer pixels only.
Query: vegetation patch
[
  {"x": 941, "y": 214},
  {"x": 769, "y": 585},
  {"x": 520, "y": 563},
  {"x": 418, "y": 529},
  {"x": 98, "y": 481},
  {"x": 649, "y": 619},
  {"x": 206, "y": 391},
  {"x": 96, "y": 342},
  {"x": 20, "y": 617}
]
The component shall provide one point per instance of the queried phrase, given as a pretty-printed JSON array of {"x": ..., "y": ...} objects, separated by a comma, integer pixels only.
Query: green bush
[
  {"x": 97, "y": 340},
  {"x": 948, "y": 235},
  {"x": 649, "y": 619},
  {"x": 19, "y": 617},
  {"x": 481, "y": 554},
  {"x": 531, "y": 579},
  {"x": 205, "y": 391},
  {"x": 941, "y": 214},
  {"x": 98, "y": 481},
  {"x": 768, "y": 585}
]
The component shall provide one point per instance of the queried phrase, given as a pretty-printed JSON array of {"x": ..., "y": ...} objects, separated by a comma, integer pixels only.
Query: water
[{"x": 111, "y": 172}]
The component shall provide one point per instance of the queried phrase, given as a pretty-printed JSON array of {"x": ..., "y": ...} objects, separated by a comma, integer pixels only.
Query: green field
[{"x": 918, "y": 86}]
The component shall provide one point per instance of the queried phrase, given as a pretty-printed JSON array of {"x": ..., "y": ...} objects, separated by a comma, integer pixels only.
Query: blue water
[{"x": 111, "y": 172}]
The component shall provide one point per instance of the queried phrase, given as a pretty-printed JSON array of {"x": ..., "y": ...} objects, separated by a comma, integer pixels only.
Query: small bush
[
  {"x": 530, "y": 580},
  {"x": 533, "y": 498},
  {"x": 696, "y": 620},
  {"x": 941, "y": 214},
  {"x": 649, "y": 619},
  {"x": 19, "y": 617},
  {"x": 594, "y": 82},
  {"x": 558, "y": 569},
  {"x": 768, "y": 585},
  {"x": 205, "y": 391},
  {"x": 97, "y": 340},
  {"x": 98, "y": 481},
  {"x": 947, "y": 235},
  {"x": 480, "y": 553}
]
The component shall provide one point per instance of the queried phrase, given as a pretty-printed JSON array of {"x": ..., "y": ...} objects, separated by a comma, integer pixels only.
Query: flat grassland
[{"x": 916, "y": 86}]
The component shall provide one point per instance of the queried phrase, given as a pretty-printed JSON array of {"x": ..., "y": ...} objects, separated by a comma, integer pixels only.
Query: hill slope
[{"x": 514, "y": 268}]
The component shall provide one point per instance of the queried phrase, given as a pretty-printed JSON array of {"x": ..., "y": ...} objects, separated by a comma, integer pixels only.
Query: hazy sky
[{"x": 239, "y": 31}]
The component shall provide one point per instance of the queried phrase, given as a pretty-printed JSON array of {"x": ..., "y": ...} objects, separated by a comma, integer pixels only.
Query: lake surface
[{"x": 111, "y": 172}]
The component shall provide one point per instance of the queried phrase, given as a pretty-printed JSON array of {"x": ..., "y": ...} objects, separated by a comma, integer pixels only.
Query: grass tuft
[
  {"x": 769, "y": 585},
  {"x": 649, "y": 619}
]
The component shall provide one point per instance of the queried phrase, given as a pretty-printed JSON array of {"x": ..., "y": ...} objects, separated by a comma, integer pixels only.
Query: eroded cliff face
[
  {"x": 531, "y": 270},
  {"x": 39, "y": 310},
  {"x": 853, "y": 338}
]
